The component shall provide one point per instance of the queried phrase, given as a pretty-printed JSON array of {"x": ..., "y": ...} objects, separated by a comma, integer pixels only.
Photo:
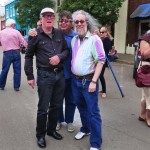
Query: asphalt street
[{"x": 121, "y": 128}]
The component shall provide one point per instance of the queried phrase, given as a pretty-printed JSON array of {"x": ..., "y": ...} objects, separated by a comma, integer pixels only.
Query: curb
[{"x": 125, "y": 62}]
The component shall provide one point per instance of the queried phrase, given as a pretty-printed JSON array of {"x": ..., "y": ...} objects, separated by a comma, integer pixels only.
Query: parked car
[{"x": 137, "y": 58}]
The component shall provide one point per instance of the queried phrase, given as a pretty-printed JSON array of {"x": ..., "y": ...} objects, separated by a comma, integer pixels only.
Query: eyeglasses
[
  {"x": 81, "y": 21},
  {"x": 47, "y": 16},
  {"x": 102, "y": 32},
  {"x": 65, "y": 20}
]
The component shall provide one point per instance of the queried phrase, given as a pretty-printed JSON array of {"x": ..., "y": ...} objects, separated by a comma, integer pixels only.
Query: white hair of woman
[{"x": 93, "y": 24}]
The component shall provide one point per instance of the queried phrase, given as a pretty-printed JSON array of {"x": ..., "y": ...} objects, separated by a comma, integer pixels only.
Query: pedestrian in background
[
  {"x": 11, "y": 40},
  {"x": 50, "y": 49},
  {"x": 65, "y": 25},
  {"x": 38, "y": 24},
  {"x": 106, "y": 39},
  {"x": 145, "y": 100},
  {"x": 88, "y": 57}
]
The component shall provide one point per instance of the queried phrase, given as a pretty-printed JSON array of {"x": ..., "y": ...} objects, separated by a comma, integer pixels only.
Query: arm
[
  {"x": 99, "y": 58},
  {"x": 28, "y": 67},
  {"x": 145, "y": 49},
  {"x": 22, "y": 40}
]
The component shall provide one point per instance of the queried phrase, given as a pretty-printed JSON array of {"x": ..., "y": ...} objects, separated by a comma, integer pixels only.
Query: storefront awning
[{"x": 141, "y": 11}]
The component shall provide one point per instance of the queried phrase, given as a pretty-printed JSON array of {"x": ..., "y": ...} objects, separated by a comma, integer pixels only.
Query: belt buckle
[{"x": 55, "y": 69}]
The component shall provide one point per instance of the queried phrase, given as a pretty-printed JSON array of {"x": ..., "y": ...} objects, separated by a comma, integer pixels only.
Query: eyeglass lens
[
  {"x": 64, "y": 20},
  {"x": 77, "y": 21},
  {"x": 48, "y": 16}
]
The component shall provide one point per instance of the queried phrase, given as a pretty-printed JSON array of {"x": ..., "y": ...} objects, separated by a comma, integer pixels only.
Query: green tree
[
  {"x": 105, "y": 11},
  {"x": 28, "y": 11}
]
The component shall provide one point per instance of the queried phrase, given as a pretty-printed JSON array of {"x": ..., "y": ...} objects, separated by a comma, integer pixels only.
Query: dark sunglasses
[
  {"x": 47, "y": 16},
  {"x": 102, "y": 32},
  {"x": 81, "y": 21},
  {"x": 65, "y": 20}
]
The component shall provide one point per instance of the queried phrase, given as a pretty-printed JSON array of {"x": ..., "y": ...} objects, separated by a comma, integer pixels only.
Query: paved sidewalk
[{"x": 126, "y": 58}]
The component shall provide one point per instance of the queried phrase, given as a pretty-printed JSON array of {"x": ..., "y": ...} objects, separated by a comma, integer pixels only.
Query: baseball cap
[{"x": 47, "y": 10}]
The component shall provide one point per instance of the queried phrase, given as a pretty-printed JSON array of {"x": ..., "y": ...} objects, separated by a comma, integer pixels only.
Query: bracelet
[{"x": 93, "y": 81}]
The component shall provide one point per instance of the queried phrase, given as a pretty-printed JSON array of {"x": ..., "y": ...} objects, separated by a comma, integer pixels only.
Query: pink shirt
[{"x": 10, "y": 39}]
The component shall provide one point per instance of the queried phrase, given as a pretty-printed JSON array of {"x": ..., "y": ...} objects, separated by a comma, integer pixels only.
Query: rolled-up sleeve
[{"x": 98, "y": 50}]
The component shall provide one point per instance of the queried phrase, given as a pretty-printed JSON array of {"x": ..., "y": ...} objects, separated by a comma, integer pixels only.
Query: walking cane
[{"x": 110, "y": 66}]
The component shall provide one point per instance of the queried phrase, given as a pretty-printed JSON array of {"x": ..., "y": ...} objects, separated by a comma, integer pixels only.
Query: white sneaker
[
  {"x": 58, "y": 126},
  {"x": 92, "y": 148},
  {"x": 70, "y": 127},
  {"x": 80, "y": 135}
]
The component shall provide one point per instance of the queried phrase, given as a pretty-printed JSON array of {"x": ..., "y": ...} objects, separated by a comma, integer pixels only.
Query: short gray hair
[
  {"x": 93, "y": 24},
  {"x": 9, "y": 22}
]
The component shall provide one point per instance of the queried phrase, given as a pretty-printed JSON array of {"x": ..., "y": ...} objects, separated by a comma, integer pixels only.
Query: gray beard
[{"x": 81, "y": 32}]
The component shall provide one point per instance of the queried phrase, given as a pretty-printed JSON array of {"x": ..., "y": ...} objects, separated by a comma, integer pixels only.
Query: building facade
[{"x": 134, "y": 20}]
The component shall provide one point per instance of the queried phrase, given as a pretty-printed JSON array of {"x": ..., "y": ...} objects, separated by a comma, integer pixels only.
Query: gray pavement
[{"x": 121, "y": 128}]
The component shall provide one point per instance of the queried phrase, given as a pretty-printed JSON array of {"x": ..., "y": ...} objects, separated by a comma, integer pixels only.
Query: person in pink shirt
[{"x": 10, "y": 40}]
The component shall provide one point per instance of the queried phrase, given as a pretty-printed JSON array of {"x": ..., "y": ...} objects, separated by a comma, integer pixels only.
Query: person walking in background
[
  {"x": 88, "y": 57},
  {"x": 106, "y": 39},
  {"x": 50, "y": 49},
  {"x": 145, "y": 100},
  {"x": 65, "y": 25},
  {"x": 38, "y": 24},
  {"x": 11, "y": 40}
]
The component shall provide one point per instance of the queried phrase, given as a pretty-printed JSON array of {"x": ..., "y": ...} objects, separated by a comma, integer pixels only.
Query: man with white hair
[
  {"x": 50, "y": 49},
  {"x": 88, "y": 57},
  {"x": 10, "y": 40}
]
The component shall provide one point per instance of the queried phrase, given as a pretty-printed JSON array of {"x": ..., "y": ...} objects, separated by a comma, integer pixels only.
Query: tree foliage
[
  {"x": 28, "y": 11},
  {"x": 105, "y": 11}
]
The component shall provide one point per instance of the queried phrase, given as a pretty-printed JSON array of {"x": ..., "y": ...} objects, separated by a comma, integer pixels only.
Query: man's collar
[{"x": 42, "y": 31}]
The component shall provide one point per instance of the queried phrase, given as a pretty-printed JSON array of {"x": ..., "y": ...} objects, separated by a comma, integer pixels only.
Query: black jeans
[
  {"x": 51, "y": 87},
  {"x": 102, "y": 79}
]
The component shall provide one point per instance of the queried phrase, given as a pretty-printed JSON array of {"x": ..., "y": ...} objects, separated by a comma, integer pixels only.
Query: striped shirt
[{"x": 86, "y": 54}]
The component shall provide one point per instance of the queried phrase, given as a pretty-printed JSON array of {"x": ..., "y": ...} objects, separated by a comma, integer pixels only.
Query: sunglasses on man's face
[
  {"x": 47, "y": 16},
  {"x": 79, "y": 21},
  {"x": 65, "y": 20}
]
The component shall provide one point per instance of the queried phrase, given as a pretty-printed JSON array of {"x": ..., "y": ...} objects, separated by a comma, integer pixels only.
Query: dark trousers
[
  {"x": 11, "y": 57},
  {"x": 50, "y": 91},
  {"x": 68, "y": 116},
  {"x": 102, "y": 79}
]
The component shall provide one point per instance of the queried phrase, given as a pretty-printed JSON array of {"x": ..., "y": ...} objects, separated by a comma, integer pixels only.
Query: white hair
[
  {"x": 9, "y": 22},
  {"x": 148, "y": 32},
  {"x": 93, "y": 24}
]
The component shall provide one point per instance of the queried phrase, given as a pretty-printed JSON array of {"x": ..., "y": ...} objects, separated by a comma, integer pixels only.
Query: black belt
[{"x": 50, "y": 69}]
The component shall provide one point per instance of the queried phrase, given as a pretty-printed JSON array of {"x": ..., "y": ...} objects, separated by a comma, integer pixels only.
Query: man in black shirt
[{"x": 50, "y": 49}]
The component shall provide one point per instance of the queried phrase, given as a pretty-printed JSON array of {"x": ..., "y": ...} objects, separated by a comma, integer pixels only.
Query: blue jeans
[
  {"x": 69, "y": 104},
  {"x": 51, "y": 87},
  {"x": 87, "y": 103},
  {"x": 11, "y": 57}
]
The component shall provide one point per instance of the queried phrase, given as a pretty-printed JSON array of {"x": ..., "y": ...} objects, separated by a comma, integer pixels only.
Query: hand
[
  {"x": 54, "y": 60},
  {"x": 92, "y": 87},
  {"x": 31, "y": 83},
  {"x": 32, "y": 32}
]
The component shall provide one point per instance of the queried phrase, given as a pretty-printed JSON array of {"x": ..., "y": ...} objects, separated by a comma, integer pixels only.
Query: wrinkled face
[
  {"x": 80, "y": 25},
  {"x": 47, "y": 20},
  {"x": 103, "y": 33},
  {"x": 65, "y": 24}
]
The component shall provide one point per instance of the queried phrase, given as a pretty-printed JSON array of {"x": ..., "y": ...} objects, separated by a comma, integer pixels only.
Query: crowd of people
[{"x": 70, "y": 61}]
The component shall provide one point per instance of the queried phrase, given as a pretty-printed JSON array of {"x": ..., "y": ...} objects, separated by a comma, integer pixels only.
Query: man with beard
[{"x": 88, "y": 57}]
